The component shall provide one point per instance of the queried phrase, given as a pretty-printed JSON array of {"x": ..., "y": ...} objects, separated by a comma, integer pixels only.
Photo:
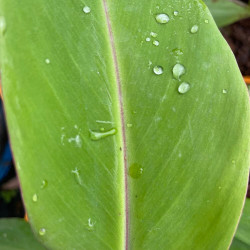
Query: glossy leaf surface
[
  {"x": 226, "y": 12},
  {"x": 16, "y": 234},
  {"x": 117, "y": 147}
]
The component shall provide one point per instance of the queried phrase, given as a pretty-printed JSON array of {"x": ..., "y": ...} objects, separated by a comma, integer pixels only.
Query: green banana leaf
[
  {"x": 226, "y": 12},
  {"x": 129, "y": 123},
  {"x": 242, "y": 240},
  {"x": 16, "y": 234}
]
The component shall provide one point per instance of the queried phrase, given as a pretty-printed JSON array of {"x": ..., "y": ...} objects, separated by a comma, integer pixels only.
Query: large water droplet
[
  {"x": 184, "y": 88},
  {"x": 156, "y": 43},
  {"x": 2, "y": 25},
  {"x": 135, "y": 171},
  {"x": 95, "y": 136},
  {"x": 194, "y": 29},
  {"x": 178, "y": 71},
  {"x": 162, "y": 18},
  {"x": 44, "y": 184},
  {"x": 86, "y": 9},
  {"x": 42, "y": 231},
  {"x": 34, "y": 198},
  {"x": 158, "y": 70}
]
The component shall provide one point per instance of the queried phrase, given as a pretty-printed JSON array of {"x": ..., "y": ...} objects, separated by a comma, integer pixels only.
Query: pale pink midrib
[{"x": 118, "y": 81}]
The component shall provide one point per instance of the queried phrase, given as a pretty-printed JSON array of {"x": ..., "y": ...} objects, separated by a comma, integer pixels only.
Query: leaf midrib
[{"x": 120, "y": 98}]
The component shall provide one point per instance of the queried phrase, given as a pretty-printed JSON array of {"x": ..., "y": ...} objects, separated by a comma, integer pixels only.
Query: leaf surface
[{"x": 113, "y": 151}]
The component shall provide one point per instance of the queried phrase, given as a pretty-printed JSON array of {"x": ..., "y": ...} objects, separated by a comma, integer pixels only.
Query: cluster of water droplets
[
  {"x": 178, "y": 70},
  {"x": 152, "y": 37},
  {"x": 35, "y": 199}
]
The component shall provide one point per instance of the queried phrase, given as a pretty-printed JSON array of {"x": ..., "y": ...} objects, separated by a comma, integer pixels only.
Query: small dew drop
[
  {"x": 162, "y": 18},
  {"x": 158, "y": 70},
  {"x": 148, "y": 39},
  {"x": 184, "y": 88},
  {"x": 206, "y": 21},
  {"x": 42, "y": 231},
  {"x": 153, "y": 34},
  {"x": 178, "y": 71},
  {"x": 86, "y": 9},
  {"x": 177, "y": 52},
  {"x": 129, "y": 125},
  {"x": 2, "y": 25},
  {"x": 47, "y": 61},
  {"x": 102, "y": 129},
  {"x": 156, "y": 43},
  {"x": 194, "y": 29},
  {"x": 176, "y": 13},
  {"x": 34, "y": 198},
  {"x": 44, "y": 184},
  {"x": 135, "y": 171},
  {"x": 96, "y": 136},
  {"x": 224, "y": 91},
  {"x": 90, "y": 225}
]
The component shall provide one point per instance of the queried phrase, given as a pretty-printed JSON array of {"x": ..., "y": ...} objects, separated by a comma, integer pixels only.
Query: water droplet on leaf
[
  {"x": 86, "y": 9},
  {"x": 90, "y": 225},
  {"x": 96, "y": 136},
  {"x": 47, "y": 61},
  {"x": 176, "y": 13},
  {"x": 178, "y": 71},
  {"x": 135, "y": 171},
  {"x": 42, "y": 231},
  {"x": 2, "y": 25},
  {"x": 158, "y": 70},
  {"x": 194, "y": 29},
  {"x": 177, "y": 52},
  {"x": 77, "y": 140},
  {"x": 184, "y": 88},
  {"x": 153, "y": 34},
  {"x": 156, "y": 43},
  {"x": 34, "y": 198},
  {"x": 206, "y": 21},
  {"x": 224, "y": 91},
  {"x": 129, "y": 125},
  {"x": 162, "y": 18},
  {"x": 148, "y": 39},
  {"x": 77, "y": 176},
  {"x": 44, "y": 184}
]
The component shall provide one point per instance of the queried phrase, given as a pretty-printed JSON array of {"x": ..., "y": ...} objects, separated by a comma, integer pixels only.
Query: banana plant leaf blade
[{"x": 129, "y": 123}]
